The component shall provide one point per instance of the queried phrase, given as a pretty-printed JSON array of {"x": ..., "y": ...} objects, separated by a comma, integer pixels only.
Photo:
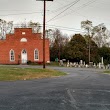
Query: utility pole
[
  {"x": 44, "y": 19},
  {"x": 89, "y": 39},
  {"x": 59, "y": 47},
  {"x": 44, "y": 34},
  {"x": 89, "y": 49}
]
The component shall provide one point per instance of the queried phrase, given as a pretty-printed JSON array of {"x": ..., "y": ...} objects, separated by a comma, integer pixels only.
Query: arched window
[
  {"x": 23, "y": 40},
  {"x": 24, "y": 51},
  {"x": 12, "y": 55},
  {"x": 36, "y": 54}
]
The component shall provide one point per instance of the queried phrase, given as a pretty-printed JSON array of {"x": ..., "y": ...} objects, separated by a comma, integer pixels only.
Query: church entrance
[{"x": 24, "y": 57}]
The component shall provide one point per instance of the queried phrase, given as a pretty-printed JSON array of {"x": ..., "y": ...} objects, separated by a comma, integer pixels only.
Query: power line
[
  {"x": 31, "y": 12},
  {"x": 83, "y": 6},
  {"x": 67, "y": 29},
  {"x": 14, "y": 10},
  {"x": 41, "y": 11},
  {"x": 73, "y": 3},
  {"x": 63, "y": 27},
  {"x": 20, "y": 13},
  {"x": 54, "y": 27},
  {"x": 61, "y": 8}
]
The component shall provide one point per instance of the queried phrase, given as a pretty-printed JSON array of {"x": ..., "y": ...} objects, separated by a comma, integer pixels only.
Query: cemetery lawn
[
  {"x": 13, "y": 73},
  {"x": 107, "y": 72}
]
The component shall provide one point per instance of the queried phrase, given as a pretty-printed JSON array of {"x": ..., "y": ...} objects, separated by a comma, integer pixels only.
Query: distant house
[{"x": 23, "y": 46}]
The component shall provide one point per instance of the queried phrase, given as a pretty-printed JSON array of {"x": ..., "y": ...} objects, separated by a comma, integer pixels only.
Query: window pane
[
  {"x": 36, "y": 55},
  {"x": 24, "y": 51},
  {"x": 11, "y": 55}
]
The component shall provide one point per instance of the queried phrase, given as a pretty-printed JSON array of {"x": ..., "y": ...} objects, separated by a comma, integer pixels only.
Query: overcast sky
[{"x": 65, "y": 15}]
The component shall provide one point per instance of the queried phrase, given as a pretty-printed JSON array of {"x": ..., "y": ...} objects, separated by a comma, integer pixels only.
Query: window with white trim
[
  {"x": 23, "y": 33},
  {"x": 36, "y": 54},
  {"x": 23, "y": 40},
  {"x": 12, "y": 55}
]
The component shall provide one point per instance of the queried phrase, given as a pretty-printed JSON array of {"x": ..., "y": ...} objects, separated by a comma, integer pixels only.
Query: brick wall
[{"x": 13, "y": 41}]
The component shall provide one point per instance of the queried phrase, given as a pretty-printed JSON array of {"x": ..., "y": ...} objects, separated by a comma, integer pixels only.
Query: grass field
[
  {"x": 13, "y": 73},
  {"x": 107, "y": 72}
]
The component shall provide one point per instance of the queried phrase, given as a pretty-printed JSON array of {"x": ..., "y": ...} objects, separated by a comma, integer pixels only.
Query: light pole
[{"x": 44, "y": 17}]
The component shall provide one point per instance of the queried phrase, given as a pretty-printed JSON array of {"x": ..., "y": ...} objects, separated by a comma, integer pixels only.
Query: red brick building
[{"x": 23, "y": 46}]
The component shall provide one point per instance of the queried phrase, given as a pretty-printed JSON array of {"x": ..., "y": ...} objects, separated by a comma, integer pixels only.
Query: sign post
[{"x": 44, "y": 18}]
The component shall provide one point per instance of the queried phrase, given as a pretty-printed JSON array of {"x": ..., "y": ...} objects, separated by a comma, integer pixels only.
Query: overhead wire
[
  {"x": 67, "y": 29},
  {"x": 73, "y": 29},
  {"x": 60, "y": 8},
  {"x": 71, "y": 4},
  {"x": 55, "y": 17},
  {"x": 63, "y": 27},
  {"x": 20, "y": 13},
  {"x": 83, "y": 6},
  {"x": 33, "y": 12},
  {"x": 56, "y": 27},
  {"x": 41, "y": 11}
]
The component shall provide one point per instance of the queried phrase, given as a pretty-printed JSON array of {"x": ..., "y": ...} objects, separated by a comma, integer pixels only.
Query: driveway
[{"x": 80, "y": 89}]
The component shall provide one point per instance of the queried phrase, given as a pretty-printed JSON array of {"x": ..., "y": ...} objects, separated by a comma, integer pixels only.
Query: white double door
[{"x": 24, "y": 56}]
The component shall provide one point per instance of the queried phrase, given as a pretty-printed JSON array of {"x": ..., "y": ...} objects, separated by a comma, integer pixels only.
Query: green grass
[
  {"x": 13, "y": 73},
  {"x": 53, "y": 64},
  {"x": 107, "y": 72}
]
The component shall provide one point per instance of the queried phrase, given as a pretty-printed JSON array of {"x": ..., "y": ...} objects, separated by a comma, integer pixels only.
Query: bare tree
[
  {"x": 5, "y": 27},
  {"x": 57, "y": 44},
  {"x": 87, "y": 25},
  {"x": 36, "y": 27},
  {"x": 99, "y": 35},
  {"x": 10, "y": 27}
]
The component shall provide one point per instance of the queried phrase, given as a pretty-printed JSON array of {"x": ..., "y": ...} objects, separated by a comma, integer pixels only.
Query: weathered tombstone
[
  {"x": 68, "y": 63},
  {"x": 102, "y": 61},
  {"x": 99, "y": 65},
  {"x": 71, "y": 64},
  {"x": 84, "y": 64},
  {"x": 61, "y": 62},
  {"x": 74, "y": 64},
  {"x": 108, "y": 66},
  {"x": 90, "y": 64},
  {"x": 81, "y": 63},
  {"x": 77, "y": 64},
  {"x": 94, "y": 65}
]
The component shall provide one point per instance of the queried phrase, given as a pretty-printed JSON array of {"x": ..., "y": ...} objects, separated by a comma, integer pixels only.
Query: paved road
[{"x": 81, "y": 89}]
